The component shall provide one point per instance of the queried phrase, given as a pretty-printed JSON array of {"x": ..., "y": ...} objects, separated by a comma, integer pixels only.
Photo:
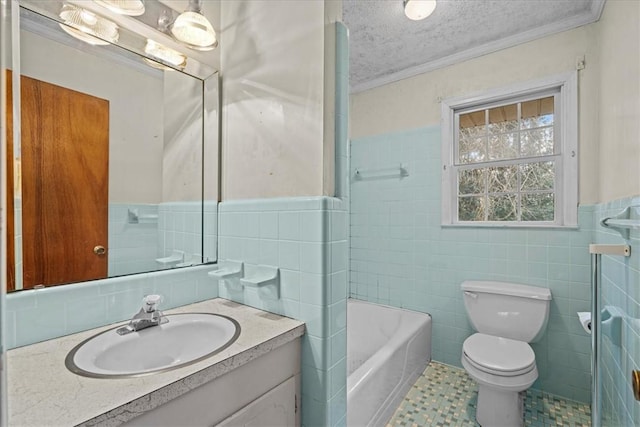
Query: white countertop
[{"x": 42, "y": 392}]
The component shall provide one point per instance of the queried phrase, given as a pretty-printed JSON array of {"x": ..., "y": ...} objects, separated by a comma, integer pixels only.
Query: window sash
[{"x": 486, "y": 107}]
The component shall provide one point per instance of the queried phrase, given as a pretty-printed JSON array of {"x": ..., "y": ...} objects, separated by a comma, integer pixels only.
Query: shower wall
[
  {"x": 619, "y": 35},
  {"x": 620, "y": 292}
]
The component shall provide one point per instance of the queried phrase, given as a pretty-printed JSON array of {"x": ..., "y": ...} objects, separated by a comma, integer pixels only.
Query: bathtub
[{"x": 387, "y": 350}]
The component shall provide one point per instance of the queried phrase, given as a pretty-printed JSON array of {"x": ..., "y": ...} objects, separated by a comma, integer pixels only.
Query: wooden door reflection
[{"x": 65, "y": 194}]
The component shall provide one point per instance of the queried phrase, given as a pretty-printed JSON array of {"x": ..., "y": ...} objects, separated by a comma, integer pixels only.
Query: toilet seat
[{"x": 499, "y": 356}]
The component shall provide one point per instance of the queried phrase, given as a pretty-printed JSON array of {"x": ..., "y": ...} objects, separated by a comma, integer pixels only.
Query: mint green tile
[
  {"x": 315, "y": 411},
  {"x": 316, "y": 352},
  {"x": 43, "y": 323},
  {"x": 86, "y": 313},
  {"x": 289, "y": 226},
  {"x": 337, "y": 317},
  {"x": 338, "y": 346},
  {"x": 313, "y": 226},
  {"x": 269, "y": 225},
  {"x": 314, "y": 317},
  {"x": 315, "y": 383},
  {"x": 314, "y": 289},
  {"x": 313, "y": 258},
  {"x": 338, "y": 377},
  {"x": 289, "y": 255},
  {"x": 290, "y": 284}
]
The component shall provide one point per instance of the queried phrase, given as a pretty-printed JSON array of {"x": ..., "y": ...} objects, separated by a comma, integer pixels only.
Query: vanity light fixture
[
  {"x": 193, "y": 29},
  {"x": 87, "y": 26},
  {"x": 123, "y": 7},
  {"x": 417, "y": 10},
  {"x": 163, "y": 54}
]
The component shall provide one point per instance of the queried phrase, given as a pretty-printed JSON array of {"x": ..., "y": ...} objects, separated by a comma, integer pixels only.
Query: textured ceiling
[{"x": 386, "y": 46}]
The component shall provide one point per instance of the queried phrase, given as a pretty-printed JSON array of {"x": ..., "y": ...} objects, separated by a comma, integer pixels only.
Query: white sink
[{"x": 185, "y": 339}]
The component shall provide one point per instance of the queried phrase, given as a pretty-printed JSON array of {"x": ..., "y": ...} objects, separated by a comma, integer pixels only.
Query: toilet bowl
[
  {"x": 503, "y": 368},
  {"x": 498, "y": 357}
]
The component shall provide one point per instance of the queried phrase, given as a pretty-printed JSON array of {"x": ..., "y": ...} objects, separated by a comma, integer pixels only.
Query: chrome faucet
[{"x": 148, "y": 316}]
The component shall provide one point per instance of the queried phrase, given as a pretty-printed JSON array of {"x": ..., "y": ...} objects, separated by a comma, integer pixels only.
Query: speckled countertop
[{"x": 42, "y": 392}]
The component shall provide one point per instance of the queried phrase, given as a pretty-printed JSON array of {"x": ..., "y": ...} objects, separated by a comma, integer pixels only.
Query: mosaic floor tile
[{"x": 447, "y": 396}]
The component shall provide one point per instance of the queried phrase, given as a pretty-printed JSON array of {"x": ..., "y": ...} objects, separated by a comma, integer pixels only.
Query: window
[{"x": 510, "y": 156}]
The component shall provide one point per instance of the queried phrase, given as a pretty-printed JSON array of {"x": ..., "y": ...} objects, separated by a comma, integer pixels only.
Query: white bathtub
[{"x": 387, "y": 350}]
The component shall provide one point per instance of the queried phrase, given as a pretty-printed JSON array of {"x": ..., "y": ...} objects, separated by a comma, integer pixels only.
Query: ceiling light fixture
[
  {"x": 418, "y": 9},
  {"x": 87, "y": 26},
  {"x": 165, "y": 55},
  {"x": 193, "y": 29},
  {"x": 123, "y": 7}
]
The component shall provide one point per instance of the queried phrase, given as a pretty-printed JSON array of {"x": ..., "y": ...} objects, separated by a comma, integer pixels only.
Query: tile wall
[
  {"x": 38, "y": 315},
  {"x": 620, "y": 290},
  {"x": 401, "y": 256},
  {"x": 306, "y": 239},
  {"x": 133, "y": 244}
]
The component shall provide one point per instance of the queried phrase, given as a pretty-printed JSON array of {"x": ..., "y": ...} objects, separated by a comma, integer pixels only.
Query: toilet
[{"x": 507, "y": 317}]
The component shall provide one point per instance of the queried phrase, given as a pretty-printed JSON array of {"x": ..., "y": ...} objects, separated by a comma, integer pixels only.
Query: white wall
[
  {"x": 273, "y": 99},
  {"x": 619, "y": 135},
  {"x": 414, "y": 102},
  {"x": 182, "y": 161},
  {"x": 135, "y": 112}
]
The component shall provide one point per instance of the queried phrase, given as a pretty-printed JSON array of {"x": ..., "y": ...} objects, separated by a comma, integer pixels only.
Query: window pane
[
  {"x": 503, "y": 179},
  {"x": 503, "y": 119},
  {"x": 537, "y": 142},
  {"x": 503, "y": 146},
  {"x": 471, "y": 181},
  {"x": 537, "y": 207},
  {"x": 473, "y": 132},
  {"x": 473, "y": 123},
  {"x": 503, "y": 208},
  {"x": 471, "y": 209},
  {"x": 536, "y": 113},
  {"x": 472, "y": 150},
  {"x": 537, "y": 176}
]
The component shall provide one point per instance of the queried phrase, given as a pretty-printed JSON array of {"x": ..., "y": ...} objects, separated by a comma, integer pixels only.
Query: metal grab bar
[{"x": 399, "y": 171}]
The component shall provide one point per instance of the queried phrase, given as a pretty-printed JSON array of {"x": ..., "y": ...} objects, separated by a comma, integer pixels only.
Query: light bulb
[
  {"x": 164, "y": 54},
  {"x": 123, "y": 7},
  {"x": 194, "y": 30},
  {"x": 87, "y": 26}
]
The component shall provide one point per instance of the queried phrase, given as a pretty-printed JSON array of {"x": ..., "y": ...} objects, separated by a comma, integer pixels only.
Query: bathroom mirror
[{"x": 115, "y": 167}]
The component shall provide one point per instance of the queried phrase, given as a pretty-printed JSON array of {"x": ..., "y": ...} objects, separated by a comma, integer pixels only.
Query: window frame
[{"x": 565, "y": 138}]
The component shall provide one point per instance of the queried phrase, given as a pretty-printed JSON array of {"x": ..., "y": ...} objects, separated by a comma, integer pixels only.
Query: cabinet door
[{"x": 276, "y": 408}]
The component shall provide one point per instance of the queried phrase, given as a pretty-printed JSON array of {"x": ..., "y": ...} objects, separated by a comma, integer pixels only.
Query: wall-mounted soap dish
[
  {"x": 228, "y": 273},
  {"x": 612, "y": 323},
  {"x": 266, "y": 279},
  {"x": 134, "y": 217},
  {"x": 172, "y": 260}
]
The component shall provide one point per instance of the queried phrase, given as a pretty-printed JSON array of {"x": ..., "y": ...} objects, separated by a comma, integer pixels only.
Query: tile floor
[{"x": 446, "y": 396}]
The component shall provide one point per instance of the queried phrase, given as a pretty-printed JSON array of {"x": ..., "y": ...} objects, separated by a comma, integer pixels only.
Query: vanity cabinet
[
  {"x": 277, "y": 407},
  {"x": 262, "y": 392}
]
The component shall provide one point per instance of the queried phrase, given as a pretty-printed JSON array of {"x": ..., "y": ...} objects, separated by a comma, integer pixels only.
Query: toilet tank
[{"x": 508, "y": 310}]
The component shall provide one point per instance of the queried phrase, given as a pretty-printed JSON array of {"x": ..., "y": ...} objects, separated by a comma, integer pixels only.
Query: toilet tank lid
[{"x": 505, "y": 288}]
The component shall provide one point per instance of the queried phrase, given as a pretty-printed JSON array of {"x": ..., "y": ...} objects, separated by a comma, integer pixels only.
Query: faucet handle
[{"x": 150, "y": 302}]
